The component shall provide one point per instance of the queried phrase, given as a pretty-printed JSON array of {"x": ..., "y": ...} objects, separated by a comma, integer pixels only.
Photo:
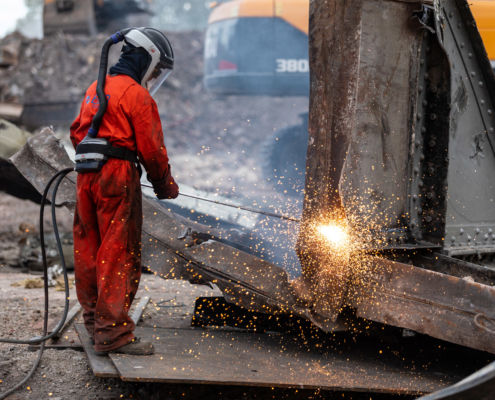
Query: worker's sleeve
[
  {"x": 149, "y": 137},
  {"x": 75, "y": 126}
]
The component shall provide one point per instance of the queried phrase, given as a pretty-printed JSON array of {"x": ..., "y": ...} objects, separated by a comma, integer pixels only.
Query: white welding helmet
[{"x": 160, "y": 51}]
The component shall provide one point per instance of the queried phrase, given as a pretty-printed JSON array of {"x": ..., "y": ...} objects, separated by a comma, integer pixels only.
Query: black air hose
[
  {"x": 100, "y": 86},
  {"x": 61, "y": 175}
]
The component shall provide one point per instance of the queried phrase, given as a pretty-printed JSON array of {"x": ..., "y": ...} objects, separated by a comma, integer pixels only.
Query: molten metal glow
[{"x": 335, "y": 234}]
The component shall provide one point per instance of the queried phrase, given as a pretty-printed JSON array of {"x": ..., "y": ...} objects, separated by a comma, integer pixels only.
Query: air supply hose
[
  {"x": 100, "y": 86},
  {"x": 60, "y": 175}
]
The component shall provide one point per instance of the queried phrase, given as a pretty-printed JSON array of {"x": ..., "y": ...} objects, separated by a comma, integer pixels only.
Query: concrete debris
[
  {"x": 9, "y": 50},
  {"x": 53, "y": 273}
]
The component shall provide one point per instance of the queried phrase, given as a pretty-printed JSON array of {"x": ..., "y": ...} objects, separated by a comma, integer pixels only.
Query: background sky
[{"x": 10, "y": 12}]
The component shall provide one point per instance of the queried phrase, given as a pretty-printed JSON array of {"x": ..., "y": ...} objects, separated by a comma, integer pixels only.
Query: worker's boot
[{"x": 136, "y": 348}]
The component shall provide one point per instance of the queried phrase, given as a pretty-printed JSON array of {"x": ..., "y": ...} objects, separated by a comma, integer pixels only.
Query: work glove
[{"x": 166, "y": 188}]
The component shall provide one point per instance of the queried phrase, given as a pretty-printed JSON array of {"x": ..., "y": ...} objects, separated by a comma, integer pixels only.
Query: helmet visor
[{"x": 157, "y": 77}]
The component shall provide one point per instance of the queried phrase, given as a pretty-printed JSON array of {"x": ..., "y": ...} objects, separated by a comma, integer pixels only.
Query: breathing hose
[
  {"x": 60, "y": 175},
  {"x": 100, "y": 86}
]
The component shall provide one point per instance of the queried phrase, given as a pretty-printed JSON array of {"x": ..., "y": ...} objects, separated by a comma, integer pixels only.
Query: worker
[{"x": 108, "y": 216}]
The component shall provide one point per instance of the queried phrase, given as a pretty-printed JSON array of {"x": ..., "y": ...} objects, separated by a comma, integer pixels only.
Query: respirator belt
[{"x": 110, "y": 151}]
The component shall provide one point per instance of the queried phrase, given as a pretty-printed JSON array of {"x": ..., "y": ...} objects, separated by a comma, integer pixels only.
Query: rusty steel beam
[
  {"x": 334, "y": 40},
  {"x": 362, "y": 60},
  {"x": 428, "y": 302}
]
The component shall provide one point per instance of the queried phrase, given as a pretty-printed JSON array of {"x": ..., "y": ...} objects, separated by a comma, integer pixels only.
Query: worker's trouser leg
[{"x": 107, "y": 250}]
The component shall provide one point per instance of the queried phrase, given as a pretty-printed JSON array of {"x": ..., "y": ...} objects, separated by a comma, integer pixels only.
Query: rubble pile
[{"x": 61, "y": 67}]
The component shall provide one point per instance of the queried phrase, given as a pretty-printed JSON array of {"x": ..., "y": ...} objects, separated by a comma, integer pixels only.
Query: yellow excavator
[
  {"x": 260, "y": 47},
  {"x": 88, "y": 16}
]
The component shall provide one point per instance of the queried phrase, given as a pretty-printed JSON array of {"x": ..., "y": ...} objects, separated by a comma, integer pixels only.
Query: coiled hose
[{"x": 60, "y": 175}]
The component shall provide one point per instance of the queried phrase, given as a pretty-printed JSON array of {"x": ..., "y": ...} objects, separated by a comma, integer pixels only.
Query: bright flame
[{"x": 334, "y": 234}]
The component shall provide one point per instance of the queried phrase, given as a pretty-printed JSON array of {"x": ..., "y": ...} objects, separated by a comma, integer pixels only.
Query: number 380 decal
[{"x": 292, "y": 65}]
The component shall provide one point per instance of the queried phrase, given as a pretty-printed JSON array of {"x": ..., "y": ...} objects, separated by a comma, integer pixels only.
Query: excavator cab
[{"x": 258, "y": 47}]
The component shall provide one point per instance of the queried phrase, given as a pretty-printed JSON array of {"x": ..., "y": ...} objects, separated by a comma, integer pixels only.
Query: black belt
[
  {"x": 123, "y": 154},
  {"x": 110, "y": 151}
]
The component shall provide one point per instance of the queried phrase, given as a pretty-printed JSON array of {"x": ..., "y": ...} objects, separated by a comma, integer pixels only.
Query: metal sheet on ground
[
  {"x": 101, "y": 364},
  {"x": 235, "y": 358}
]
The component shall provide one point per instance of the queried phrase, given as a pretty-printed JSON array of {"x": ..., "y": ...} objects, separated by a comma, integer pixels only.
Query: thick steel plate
[{"x": 237, "y": 358}]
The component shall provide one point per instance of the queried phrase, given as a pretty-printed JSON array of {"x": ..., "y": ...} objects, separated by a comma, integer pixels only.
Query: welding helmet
[{"x": 161, "y": 55}]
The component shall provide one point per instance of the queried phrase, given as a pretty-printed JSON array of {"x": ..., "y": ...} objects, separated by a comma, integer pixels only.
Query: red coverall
[{"x": 108, "y": 218}]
